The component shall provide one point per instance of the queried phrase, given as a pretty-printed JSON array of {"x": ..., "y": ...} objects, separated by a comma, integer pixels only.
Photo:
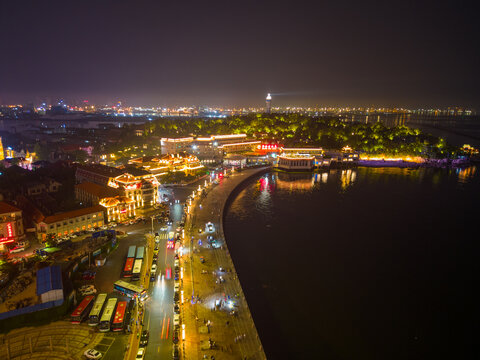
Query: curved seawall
[{"x": 235, "y": 335}]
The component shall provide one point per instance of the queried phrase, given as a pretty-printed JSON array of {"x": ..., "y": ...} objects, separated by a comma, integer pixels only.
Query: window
[
  {"x": 64, "y": 223},
  {"x": 51, "y": 227}
]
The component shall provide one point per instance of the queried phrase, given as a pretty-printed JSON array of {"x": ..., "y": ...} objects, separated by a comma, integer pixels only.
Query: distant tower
[{"x": 268, "y": 102}]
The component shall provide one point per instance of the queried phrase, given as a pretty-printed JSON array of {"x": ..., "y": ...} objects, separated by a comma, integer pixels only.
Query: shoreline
[{"x": 198, "y": 284}]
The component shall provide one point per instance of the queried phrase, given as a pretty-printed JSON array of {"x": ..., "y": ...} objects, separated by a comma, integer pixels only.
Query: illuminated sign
[
  {"x": 268, "y": 147},
  {"x": 9, "y": 230}
]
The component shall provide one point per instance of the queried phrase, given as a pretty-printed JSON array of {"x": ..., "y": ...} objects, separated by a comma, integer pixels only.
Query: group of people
[{"x": 240, "y": 337}]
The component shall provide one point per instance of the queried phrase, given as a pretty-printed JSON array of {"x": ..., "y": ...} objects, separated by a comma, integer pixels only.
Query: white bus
[
  {"x": 106, "y": 319},
  {"x": 137, "y": 269},
  {"x": 94, "y": 316}
]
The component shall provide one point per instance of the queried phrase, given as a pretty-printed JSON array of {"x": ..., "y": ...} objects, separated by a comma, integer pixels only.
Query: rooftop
[
  {"x": 101, "y": 170},
  {"x": 97, "y": 190},
  {"x": 73, "y": 214},
  {"x": 7, "y": 208},
  {"x": 49, "y": 278}
]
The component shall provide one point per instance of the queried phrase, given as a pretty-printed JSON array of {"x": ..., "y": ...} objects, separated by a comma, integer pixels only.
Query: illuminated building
[
  {"x": 296, "y": 163},
  {"x": 268, "y": 103},
  {"x": 137, "y": 184},
  {"x": 92, "y": 194},
  {"x": 2, "y": 155},
  {"x": 160, "y": 165},
  {"x": 69, "y": 222},
  {"x": 298, "y": 158},
  {"x": 118, "y": 208},
  {"x": 11, "y": 224},
  {"x": 207, "y": 149}
]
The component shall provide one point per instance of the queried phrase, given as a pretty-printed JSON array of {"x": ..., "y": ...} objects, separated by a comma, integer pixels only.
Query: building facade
[
  {"x": 11, "y": 224},
  {"x": 70, "y": 221}
]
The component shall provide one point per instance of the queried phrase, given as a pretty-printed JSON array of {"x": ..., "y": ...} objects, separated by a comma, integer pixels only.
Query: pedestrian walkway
[{"x": 216, "y": 316}]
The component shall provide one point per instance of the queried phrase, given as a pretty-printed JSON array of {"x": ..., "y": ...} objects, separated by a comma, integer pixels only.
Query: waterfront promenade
[{"x": 215, "y": 310}]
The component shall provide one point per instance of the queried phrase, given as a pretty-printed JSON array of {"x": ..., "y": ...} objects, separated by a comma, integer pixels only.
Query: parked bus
[
  {"x": 106, "y": 319},
  {"x": 131, "y": 290},
  {"x": 94, "y": 317},
  {"x": 137, "y": 269},
  {"x": 128, "y": 267},
  {"x": 82, "y": 309},
  {"x": 131, "y": 251},
  {"x": 140, "y": 251},
  {"x": 119, "y": 319}
]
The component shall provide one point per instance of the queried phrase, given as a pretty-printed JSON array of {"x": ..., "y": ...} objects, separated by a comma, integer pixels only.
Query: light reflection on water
[{"x": 357, "y": 250}]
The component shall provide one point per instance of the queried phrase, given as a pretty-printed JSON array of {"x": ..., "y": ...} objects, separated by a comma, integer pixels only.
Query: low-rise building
[
  {"x": 96, "y": 173},
  {"x": 296, "y": 163},
  {"x": 50, "y": 284},
  {"x": 118, "y": 208},
  {"x": 11, "y": 224},
  {"x": 69, "y": 222}
]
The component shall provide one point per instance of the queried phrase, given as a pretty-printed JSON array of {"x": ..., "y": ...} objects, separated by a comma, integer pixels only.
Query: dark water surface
[{"x": 360, "y": 264}]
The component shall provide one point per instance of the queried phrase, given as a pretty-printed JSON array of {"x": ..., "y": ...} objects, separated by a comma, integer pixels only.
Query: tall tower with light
[{"x": 268, "y": 102}]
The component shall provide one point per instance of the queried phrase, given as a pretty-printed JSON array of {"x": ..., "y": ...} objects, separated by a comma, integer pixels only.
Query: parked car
[
  {"x": 87, "y": 290},
  {"x": 140, "y": 354},
  {"x": 176, "y": 319},
  {"x": 17, "y": 249},
  {"x": 88, "y": 275},
  {"x": 92, "y": 354}
]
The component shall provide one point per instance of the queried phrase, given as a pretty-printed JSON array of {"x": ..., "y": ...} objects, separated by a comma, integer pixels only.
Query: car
[
  {"x": 176, "y": 287},
  {"x": 153, "y": 270},
  {"x": 176, "y": 319},
  {"x": 156, "y": 247},
  {"x": 170, "y": 244},
  {"x": 87, "y": 290},
  {"x": 175, "y": 337},
  {"x": 176, "y": 309},
  {"x": 168, "y": 273},
  {"x": 155, "y": 256},
  {"x": 169, "y": 222},
  {"x": 202, "y": 259},
  {"x": 200, "y": 231},
  {"x": 176, "y": 297},
  {"x": 112, "y": 224},
  {"x": 131, "y": 222},
  {"x": 176, "y": 276},
  {"x": 17, "y": 249},
  {"x": 210, "y": 227},
  {"x": 144, "y": 338},
  {"x": 177, "y": 262},
  {"x": 92, "y": 354},
  {"x": 88, "y": 275},
  {"x": 176, "y": 257},
  {"x": 164, "y": 228},
  {"x": 140, "y": 354},
  {"x": 175, "y": 353}
]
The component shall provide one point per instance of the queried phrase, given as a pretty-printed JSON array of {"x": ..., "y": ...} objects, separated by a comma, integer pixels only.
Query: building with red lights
[{"x": 11, "y": 224}]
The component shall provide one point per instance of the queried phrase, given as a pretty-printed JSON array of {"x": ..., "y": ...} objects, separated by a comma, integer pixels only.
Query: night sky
[{"x": 406, "y": 53}]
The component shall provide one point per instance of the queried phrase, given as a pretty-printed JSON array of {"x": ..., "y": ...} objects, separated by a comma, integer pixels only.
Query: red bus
[
  {"x": 127, "y": 269},
  {"x": 82, "y": 310},
  {"x": 119, "y": 319}
]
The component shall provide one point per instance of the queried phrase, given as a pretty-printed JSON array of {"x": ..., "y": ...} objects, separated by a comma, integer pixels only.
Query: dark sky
[{"x": 403, "y": 53}]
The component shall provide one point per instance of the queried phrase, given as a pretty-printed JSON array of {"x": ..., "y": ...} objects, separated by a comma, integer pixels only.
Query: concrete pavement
[{"x": 235, "y": 334}]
